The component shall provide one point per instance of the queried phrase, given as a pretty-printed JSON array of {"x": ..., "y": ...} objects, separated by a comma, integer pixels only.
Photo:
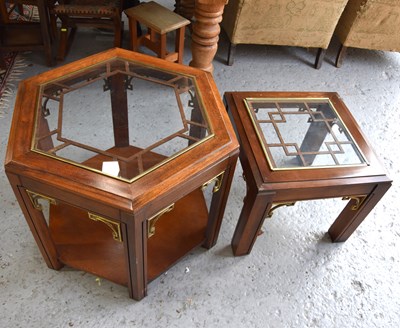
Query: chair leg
[
  {"x": 46, "y": 35},
  {"x": 231, "y": 53},
  {"x": 319, "y": 58},
  {"x": 133, "y": 24},
  {"x": 65, "y": 41},
  {"x": 62, "y": 47},
  {"x": 340, "y": 56},
  {"x": 118, "y": 32}
]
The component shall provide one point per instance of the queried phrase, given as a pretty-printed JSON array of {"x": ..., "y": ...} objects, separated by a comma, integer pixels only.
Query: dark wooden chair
[
  {"x": 23, "y": 35},
  {"x": 104, "y": 14}
]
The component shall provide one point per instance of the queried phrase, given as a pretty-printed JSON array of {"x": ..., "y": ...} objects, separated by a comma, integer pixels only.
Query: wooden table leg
[
  {"x": 218, "y": 204},
  {"x": 133, "y": 238},
  {"x": 355, "y": 212},
  {"x": 37, "y": 223},
  {"x": 206, "y": 31},
  {"x": 250, "y": 221}
]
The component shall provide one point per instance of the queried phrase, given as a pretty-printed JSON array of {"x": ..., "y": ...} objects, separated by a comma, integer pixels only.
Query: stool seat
[{"x": 158, "y": 20}]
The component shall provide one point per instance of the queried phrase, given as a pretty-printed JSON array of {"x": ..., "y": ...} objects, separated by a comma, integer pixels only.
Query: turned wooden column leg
[{"x": 206, "y": 33}]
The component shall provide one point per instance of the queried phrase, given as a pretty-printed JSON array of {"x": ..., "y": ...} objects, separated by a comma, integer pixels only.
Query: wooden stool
[{"x": 159, "y": 21}]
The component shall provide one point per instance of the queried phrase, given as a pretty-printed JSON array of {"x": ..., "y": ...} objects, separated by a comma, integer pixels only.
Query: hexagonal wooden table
[{"x": 109, "y": 156}]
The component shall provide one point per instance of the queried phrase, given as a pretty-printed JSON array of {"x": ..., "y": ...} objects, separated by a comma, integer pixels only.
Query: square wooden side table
[
  {"x": 110, "y": 158},
  {"x": 301, "y": 146}
]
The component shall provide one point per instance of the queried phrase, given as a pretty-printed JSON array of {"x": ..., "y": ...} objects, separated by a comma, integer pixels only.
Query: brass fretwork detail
[
  {"x": 151, "y": 223},
  {"x": 359, "y": 201},
  {"x": 273, "y": 114},
  {"x": 34, "y": 197},
  {"x": 114, "y": 226},
  {"x": 277, "y": 205},
  {"x": 218, "y": 182}
]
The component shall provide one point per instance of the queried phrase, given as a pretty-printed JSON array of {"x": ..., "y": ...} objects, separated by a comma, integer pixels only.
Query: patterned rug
[{"x": 9, "y": 76}]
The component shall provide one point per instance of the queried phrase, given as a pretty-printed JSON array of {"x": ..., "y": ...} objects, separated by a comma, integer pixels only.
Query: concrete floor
[{"x": 294, "y": 277}]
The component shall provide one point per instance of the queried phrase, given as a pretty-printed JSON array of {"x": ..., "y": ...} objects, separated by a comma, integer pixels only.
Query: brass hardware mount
[
  {"x": 277, "y": 205},
  {"x": 218, "y": 182},
  {"x": 114, "y": 226},
  {"x": 151, "y": 222},
  {"x": 35, "y": 197},
  {"x": 360, "y": 199}
]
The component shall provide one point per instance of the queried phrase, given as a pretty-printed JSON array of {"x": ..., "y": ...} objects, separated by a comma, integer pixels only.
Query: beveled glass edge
[
  {"x": 137, "y": 177},
  {"x": 246, "y": 102}
]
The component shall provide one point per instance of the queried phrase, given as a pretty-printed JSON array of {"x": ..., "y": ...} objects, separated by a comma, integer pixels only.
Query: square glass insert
[
  {"x": 302, "y": 133},
  {"x": 120, "y": 118}
]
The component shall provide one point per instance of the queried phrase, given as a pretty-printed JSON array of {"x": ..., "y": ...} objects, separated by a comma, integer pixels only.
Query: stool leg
[
  {"x": 180, "y": 43},
  {"x": 133, "y": 34},
  {"x": 163, "y": 46}
]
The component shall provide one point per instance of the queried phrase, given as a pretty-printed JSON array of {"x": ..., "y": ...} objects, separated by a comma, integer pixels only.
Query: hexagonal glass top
[
  {"x": 120, "y": 118},
  {"x": 302, "y": 133}
]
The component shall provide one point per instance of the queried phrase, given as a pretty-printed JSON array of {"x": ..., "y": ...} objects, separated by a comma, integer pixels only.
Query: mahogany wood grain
[
  {"x": 87, "y": 245},
  {"x": 177, "y": 233},
  {"x": 79, "y": 242},
  {"x": 266, "y": 187}
]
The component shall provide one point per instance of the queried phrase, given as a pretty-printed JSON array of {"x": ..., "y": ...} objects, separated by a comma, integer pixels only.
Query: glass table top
[
  {"x": 120, "y": 118},
  {"x": 302, "y": 133}
]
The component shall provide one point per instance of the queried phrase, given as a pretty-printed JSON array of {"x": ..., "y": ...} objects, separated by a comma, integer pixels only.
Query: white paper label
[{"x": 111, "y": 168}]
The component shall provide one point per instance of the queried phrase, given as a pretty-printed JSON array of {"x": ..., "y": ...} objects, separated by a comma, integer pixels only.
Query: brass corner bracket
[
  {"x": 359, "y": 200},
  {"x": 35, "y": 197},
  {"x": 114, "y": 226},
  {"x": 218, "y": 182},
  {"x": 151, "y": 222},
  {"x": 277, "y": 205}
]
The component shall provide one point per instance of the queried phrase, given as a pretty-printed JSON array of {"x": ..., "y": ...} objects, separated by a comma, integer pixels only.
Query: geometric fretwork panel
[
  {"x": 120, "y": 118},
  {"x": 302, "y": 133}
]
